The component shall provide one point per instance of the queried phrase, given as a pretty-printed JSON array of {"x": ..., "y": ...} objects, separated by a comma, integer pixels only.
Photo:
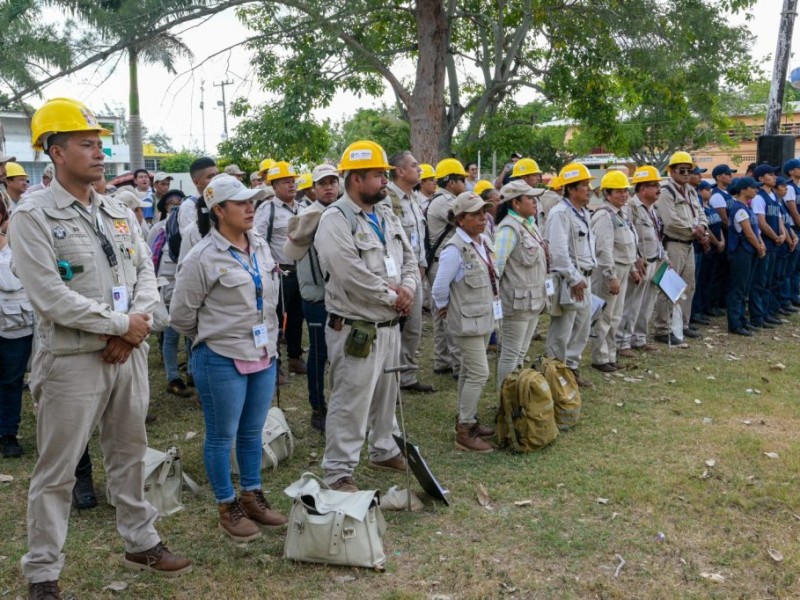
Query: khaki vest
[
  {"x": 625, "y": 239},
  {"x": 470, "y": 311},
  {"x": 522, "y": 286}
]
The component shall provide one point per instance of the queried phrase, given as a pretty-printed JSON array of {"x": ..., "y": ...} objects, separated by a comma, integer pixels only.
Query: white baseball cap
[
  {"x": 129, "y": 198},
  {"x": 322, "y": 171},
  {"x": 226, "y": 187},
  {"x": 161, "y": 176}
]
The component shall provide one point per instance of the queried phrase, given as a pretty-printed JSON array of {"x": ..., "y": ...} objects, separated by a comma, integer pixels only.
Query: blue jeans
[
  {"x": 316, "y": 317},
  {"x": 169, "y": 350},
  {"x": 14, "y": 356},
  {"x": 742, "y": 264},
  {"x": 235, "y": 407}
]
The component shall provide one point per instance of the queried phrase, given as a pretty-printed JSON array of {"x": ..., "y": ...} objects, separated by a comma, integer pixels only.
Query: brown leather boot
[
  {"x": 467, "y": 439},
  {"x": 480, "y": 430},
  {"x": 158, "y": 559},
  {"x": 234, "y": 522},
  {"x": 258, "y": 509},
  {"x": 581, "y": 381}
]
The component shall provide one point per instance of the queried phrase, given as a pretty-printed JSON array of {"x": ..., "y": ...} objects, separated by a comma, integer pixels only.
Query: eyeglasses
[
  {"x": 459, "y": 178},
  {"x": 683, "y": 171}
]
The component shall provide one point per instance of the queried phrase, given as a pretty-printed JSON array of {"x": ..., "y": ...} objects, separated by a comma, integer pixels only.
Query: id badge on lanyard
[{"x": 497, "y": 309}]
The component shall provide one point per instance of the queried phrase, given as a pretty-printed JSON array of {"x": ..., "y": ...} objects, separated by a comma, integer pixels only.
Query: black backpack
[{"x": 173, "y": 232}]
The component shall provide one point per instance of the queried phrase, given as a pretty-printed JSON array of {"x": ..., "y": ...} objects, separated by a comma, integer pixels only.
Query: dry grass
[{"x": 646, "y": 457}]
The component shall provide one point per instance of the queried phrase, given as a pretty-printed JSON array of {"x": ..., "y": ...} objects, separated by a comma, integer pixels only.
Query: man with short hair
[
  {"x": 450, "y": 177},
  {"x": 141, "y": 183},
  {"x": 472, "y": 176},
  {"x": 683, "y": 222},
  {"x": 202, "y": 171},
  {"x": 234, "y": 171},
  {"x": 47, "y": 177},
  {"x": 89, "y": 276},
  {"x": 372, "y": 278},
  {"x": 3, "y": 161},
  {"x": 505, "y": 174},
  {"x": 400, "y": 198},
  {"x": 696, "y": 176},
  {"x": 271, "y": 221},
  {"x": 162, "y": 182},
  {"x": 255, "y": 179}
]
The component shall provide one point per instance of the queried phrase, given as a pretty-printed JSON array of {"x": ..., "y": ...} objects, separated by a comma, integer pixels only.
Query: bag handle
[
  {"x": 191, "y": 484},
  {"x": 311, "y": 475},
  {"x": 271, "y": 455}
]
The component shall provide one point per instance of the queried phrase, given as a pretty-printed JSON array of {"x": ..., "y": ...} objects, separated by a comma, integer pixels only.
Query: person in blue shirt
[
  {"x": 745, "y": 250},
  {"x": 781, "y": 301},
  {"x": 707, "y": 263}
]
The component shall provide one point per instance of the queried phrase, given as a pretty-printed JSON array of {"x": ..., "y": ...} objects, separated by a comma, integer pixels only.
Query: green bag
[
  {"x": 359, "y": 340},
  {"x": 526, "y": 421},
  {"x": 564, "y": 388}
]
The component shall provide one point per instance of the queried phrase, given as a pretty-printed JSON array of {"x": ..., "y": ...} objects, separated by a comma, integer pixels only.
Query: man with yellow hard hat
[
  {"x": 372, "y": 275},
  {"x": 16, "y": 184},
  {"x": 572, "y": 260},
  {"x": 89, "y": 276},
  {"x": 683, "y": 221},
  {"x": 450, "y": 180},
  {"x": 4, "y": 160},
  {"x": 426, "y": 187},
  {"x": 305, "y": 186}
]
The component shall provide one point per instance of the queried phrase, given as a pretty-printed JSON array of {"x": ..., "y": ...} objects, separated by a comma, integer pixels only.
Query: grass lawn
[{"x": 635, "y": 467}]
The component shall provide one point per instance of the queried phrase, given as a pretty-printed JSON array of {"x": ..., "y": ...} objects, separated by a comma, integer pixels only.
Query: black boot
[
  {"x": 83, "y": 496},
  {"x": 318, "y": 416}
]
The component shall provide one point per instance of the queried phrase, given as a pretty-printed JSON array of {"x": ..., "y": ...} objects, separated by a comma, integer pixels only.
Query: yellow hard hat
[
  {"x": 426, "y": 171},
  {"x": 680, "y": 158},
  {"x": 449, "y": 166},
  {"x": 303, "y": 181},
  {"x": 555, "y": 183},
  {"x": 280, "y": 170},
  {"x": 364, "y": 154},
  {"x": 573, "y": 173},
  {"x": 15, "y": 170},
  {"x": 264, "y": 166},
  {"x": 482, "y": 186},
  {"x": 614, "y": 180},
  {"x": 62, "y": 115},
  {"x": 525, "y": 166},
  {"x": 645, "y": 174}
]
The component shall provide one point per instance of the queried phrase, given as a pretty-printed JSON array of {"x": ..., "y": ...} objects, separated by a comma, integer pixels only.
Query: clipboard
[
  {"x": 669, "y": 282},
  {"x": 421, "y": 470}
]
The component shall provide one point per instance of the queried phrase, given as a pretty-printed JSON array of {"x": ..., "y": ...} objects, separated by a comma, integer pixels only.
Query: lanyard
[
  {"x": 378, "y": 229},
  {"x": 582, "y": 218},
  {"x": 489, "y": 266},
  {"x": 255, "y": 274},
  {"x": 105, "y": 244}
]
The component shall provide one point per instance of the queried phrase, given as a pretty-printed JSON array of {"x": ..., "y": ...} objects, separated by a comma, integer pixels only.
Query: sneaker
[
  {"x": 10, "y": 446},
  {"x": 397, "y": 464},
  {"x": 158, "y": 559},
  {"x": 344, "y": 484},
  {"x": 318, "y": 418},
  {"x": 44, "y": 590},
  {"x": 177, "y": 387},
  {"x": 83, "y": 496}
]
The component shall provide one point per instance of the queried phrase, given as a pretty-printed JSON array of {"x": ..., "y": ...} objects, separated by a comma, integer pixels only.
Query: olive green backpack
[
  {"x": 526, "y": 421},
  {"x": 564, "y": 388}
]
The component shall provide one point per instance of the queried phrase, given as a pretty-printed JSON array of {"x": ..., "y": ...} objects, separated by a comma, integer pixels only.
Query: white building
[{"x": 15, "y": 137}]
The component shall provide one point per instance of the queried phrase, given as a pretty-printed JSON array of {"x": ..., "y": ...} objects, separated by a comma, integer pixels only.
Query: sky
[{"x": 171, "y": 103}]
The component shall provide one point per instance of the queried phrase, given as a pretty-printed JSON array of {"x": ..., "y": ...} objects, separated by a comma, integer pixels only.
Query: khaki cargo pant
[
  {"x": 604, "y": 345},
  {"x": 515, "y": 337},
  {"x": 75, "y": 395},
  {"x": 362, "y": 397},
  {"x": 409, "y": 339},
  {"x": 446, "y": 353},
  {"x": 473, "y": 374},
  {"x": 682, "y": 258},
  {"x": 639, "y": 302},
  {"x": 568, "y": 333}
]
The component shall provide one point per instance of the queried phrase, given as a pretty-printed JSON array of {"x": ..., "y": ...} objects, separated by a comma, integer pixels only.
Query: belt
[
  {"x": 586, "y": 273},
  {"x": 652, "y": 260},
  {"x": 333, "y": 318},
  {"x": 669, "y": 239}
]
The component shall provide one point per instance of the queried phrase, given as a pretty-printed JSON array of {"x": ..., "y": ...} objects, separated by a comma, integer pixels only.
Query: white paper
[
  {"x": 597, "y": 306},
  {"x": 672, "y": 285}
]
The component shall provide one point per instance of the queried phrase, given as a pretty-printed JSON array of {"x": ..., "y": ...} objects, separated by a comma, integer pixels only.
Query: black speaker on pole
[{"x": 775, "y": 149}]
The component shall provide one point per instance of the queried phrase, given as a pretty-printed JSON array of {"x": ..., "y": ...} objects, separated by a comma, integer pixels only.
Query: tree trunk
[
  {"x": 134, "y": 119},
  {"x": 426, "y": 113}
]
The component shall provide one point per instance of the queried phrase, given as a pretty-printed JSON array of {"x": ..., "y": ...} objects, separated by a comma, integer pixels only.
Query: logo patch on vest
[
  {"x": 121, "y": 226},
  {"x": 59, "y": 232}
]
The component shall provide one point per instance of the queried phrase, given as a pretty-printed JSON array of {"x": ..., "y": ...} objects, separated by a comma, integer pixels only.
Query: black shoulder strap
[
  {"x": 431, "y": 255},
  {"x": 271, "y": 221}
]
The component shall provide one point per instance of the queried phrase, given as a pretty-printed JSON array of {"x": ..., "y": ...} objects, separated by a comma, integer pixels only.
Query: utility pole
[
  {"x": 203, "y": 112},
  {"x": 780, "y": 67},
  {"x": 224, "y": 106}
]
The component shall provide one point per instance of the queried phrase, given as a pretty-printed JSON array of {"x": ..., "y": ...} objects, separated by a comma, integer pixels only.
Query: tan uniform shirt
[
  {"x": 215, "y": 297},
  {"x": 680, "y": 211},
  {"x": 187, "y": 213},
  {"x": 358, "y": 284},
  {"x": 52, "y": 226},
  {"x": 280, "y": 213},
  {"x": 546, "y": 202},
  {"x": 437, "y": 218},
  {"x": 412, "y": 219},
  {"x": 571, "y": 242},
  {"x": 615, "y": 239},
  {"x": 648, "y": 229}
]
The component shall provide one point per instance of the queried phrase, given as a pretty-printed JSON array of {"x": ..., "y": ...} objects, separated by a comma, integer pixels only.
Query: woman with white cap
[
  {"x": 521, "y": 264},
  {"x": 466, "y": 293},
  {"x": 226, "y": 292}
]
